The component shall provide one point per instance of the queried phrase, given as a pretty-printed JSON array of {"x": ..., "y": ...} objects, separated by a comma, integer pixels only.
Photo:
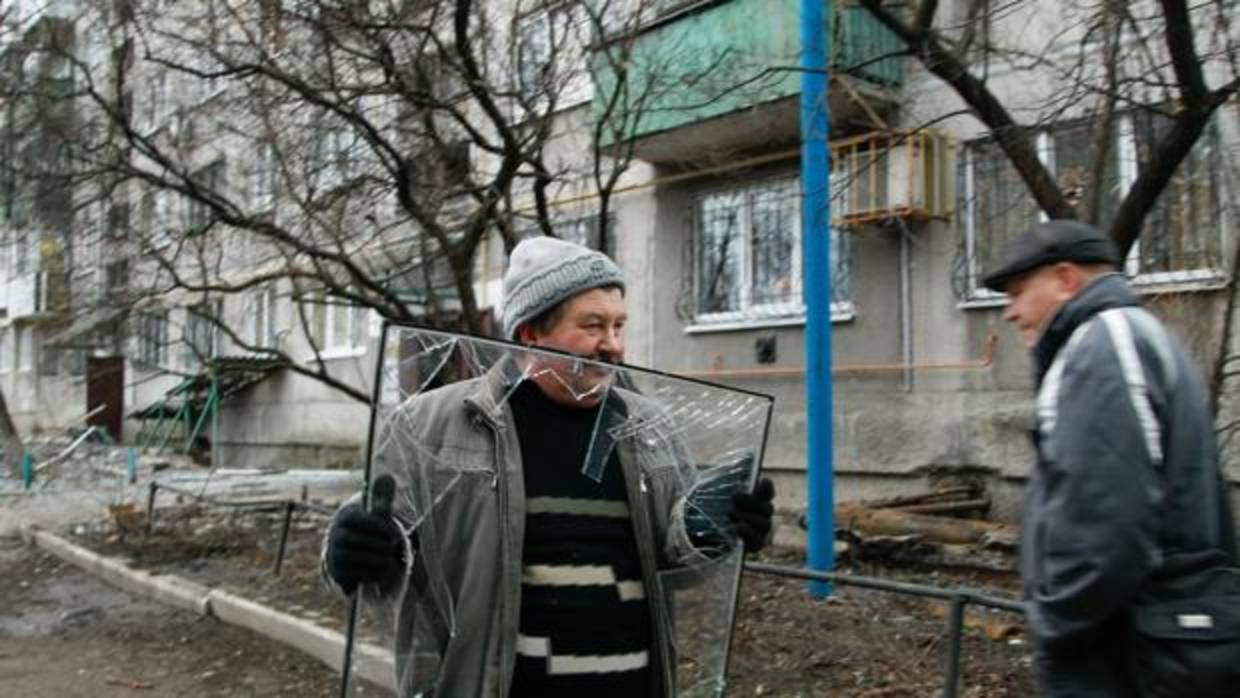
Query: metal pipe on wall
[
  {"x": 983, "y": 361},
  {"x": 906, "y": 303}
]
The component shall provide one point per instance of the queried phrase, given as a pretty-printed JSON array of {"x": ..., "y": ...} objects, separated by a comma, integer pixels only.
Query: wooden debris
[
  {"x": 908, "y": 500},
  {"x": 938, "y": 529},
  {"x": 127, "y": 518}
]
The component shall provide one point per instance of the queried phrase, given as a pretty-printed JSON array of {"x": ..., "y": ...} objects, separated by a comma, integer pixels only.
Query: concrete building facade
[{"x": 929, "y": 383}]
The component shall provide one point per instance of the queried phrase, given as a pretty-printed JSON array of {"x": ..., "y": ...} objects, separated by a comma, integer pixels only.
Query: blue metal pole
[
  {"x": 131, "y": 463},
  {"x": 816, "y": 262}
]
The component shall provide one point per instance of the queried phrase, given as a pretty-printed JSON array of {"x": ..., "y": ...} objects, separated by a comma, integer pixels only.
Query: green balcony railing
[{"x": 720, "y": 58}]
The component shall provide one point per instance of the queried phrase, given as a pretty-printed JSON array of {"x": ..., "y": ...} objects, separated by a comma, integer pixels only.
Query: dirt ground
[
  {"x": 66, "y": 634},
  {"x": 856, "y": 644}
]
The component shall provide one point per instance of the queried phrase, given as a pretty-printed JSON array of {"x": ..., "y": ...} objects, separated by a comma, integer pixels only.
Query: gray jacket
[
  {"x": 1127, "y": 468},
  {"x": 455, "y": 454}
]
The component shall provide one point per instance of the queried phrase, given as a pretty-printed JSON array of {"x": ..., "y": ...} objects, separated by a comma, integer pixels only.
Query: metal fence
[
  {"x": 959, "y": 599},
  {"x": 288, "y": 506}
]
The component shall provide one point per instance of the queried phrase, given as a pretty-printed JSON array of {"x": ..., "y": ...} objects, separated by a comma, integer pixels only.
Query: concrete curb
[
  {"x": 168, "y": 589},
  {"x": 374, "y": 664}
]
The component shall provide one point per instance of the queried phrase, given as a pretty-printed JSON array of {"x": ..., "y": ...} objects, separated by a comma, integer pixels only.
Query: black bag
[{"x": 1184, "y": 634}]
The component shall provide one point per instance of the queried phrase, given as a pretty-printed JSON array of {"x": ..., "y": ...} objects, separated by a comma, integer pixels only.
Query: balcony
[
  {"x": 729, "y": 70},
  {"x": 35, "y": 295}
]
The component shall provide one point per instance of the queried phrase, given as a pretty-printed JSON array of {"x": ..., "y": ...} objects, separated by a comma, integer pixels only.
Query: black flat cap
[{"x": 1049, "y": 243}]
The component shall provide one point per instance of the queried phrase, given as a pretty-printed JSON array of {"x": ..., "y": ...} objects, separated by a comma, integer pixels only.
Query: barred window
[
  {"x": 997, "y": 207},
  {"x": 1180, "y": 240},
  {"x": 747, "y": 253}
]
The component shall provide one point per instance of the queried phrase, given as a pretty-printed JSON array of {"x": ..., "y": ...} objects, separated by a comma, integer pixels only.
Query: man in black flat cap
[{"x": 1126, "y": 491}]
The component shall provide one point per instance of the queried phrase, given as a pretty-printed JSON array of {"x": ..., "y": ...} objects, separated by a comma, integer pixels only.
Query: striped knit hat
[{"x": 543, "y": 272}]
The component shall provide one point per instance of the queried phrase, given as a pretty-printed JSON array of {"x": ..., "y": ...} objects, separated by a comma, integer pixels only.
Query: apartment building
[{"x": 694, "y": 107}]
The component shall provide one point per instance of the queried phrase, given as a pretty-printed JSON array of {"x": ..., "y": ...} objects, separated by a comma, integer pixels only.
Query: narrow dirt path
[{"x": 64, "y": 633}]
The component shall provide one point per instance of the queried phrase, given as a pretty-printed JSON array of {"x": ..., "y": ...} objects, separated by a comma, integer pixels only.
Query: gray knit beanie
[{"x": 544, "y": 271}]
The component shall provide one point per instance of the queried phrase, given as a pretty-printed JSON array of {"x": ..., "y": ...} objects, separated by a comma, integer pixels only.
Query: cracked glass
[{"x": 445, "y": 434}]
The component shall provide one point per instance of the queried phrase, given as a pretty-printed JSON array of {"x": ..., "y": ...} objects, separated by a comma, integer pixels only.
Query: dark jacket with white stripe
[{"x": 1127, "y": 468}]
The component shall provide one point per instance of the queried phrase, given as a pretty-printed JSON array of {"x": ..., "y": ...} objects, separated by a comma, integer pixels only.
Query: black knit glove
[
  {"x": 752, "y": 513},
  {"x": 363, "y": 547}
]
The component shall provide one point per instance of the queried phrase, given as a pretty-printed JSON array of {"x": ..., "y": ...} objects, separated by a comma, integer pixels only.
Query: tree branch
[{"x": 1015, "y": 140}]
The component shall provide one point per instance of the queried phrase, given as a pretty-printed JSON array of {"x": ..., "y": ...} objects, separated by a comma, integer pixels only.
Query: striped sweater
[{"x": 585, "y": 623}]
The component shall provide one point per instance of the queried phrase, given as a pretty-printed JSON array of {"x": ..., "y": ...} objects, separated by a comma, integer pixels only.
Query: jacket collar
[{"x": 1103, "y": 293}]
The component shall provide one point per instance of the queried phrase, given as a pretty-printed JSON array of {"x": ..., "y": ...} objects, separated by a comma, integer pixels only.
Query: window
[
  {"x": 583, "y": 230},
  {"x": 15, "y": 200},
  {"x": 1180, "y": 241},
  {"x": 158, "y": 101},
  {"x": 264, "y": 178},
  {"x": 550, "y": 56},
  {"x": 23, "y": 251},
  {"x": 534, "y": 54},
  {"x": 77, "y": 362},
  {"x": 25, "y": 348},
  {"x": 118, "y": 219},
  {"x": 1182, "y": 237},
  {"x": 201, "y": 336},
  {"x": 747, "y": 256},
  {"x": 343, "y": 329},
  {"x": 336, "y": 156},
  {"x": 50, "y": 359},
  {"x": 210, "y": 180},
  {"x": 116, "y": 277},
  {"x": 996, "y": 209},
  {"x": 158, "y": 217},
  {"x": 262, "y": 318},
  {"x": 6, "y": 254},
  {"x": 153, "y": 339}
]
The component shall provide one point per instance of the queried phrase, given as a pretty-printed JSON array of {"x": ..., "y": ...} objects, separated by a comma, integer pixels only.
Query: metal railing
[
  {"x": 182, "y": 407},
  {"x": 959, "y": 599},
  {"x": 289, "y": 507}
]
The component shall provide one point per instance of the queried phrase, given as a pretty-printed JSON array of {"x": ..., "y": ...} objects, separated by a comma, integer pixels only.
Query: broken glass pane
[{"x": 468, "y": 493}]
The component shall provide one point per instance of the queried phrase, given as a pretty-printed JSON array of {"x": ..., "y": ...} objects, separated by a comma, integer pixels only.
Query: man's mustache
[
  {"x": 598, "y": 357},
  {"x": 578, "y": 359}
]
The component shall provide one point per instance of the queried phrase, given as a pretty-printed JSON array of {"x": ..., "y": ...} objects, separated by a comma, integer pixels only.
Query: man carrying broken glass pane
[{"x": 540, "y": 502}]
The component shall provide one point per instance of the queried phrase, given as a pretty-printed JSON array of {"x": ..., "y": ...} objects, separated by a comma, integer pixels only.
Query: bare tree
[
  {"x": 33, "y": 173},
  {"x": 339, "y": 155},
  {"x": 1173, "y": 59}
]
